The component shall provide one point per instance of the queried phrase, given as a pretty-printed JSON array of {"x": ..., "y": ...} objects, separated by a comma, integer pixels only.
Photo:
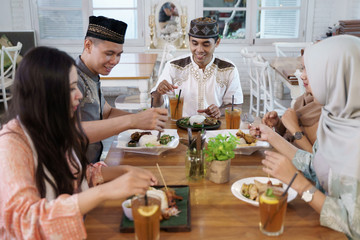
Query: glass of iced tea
[
  {"x": 146, "y": 217},
  {"x": 232, "y": 117},
  {"x": 176, "y": 106},
  {"x": 272, "y": 207}
]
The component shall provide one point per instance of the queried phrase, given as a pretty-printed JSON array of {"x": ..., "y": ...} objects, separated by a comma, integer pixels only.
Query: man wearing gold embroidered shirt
[
  {"x": 103, "y": 46},
  {"x": 206, "y": 81}
]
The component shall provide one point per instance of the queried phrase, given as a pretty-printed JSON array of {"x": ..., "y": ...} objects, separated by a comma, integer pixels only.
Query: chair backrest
[
  {"x": 295, "y": 46},
  {"x": 263, "y": 74},
  {"x": 300, "y": 82},
  {"x": 247, "y": 58},
  {"x": 7, "y": 75},
  {"x": 11, "y": 53},
  {"x": 167, "y": 55}
]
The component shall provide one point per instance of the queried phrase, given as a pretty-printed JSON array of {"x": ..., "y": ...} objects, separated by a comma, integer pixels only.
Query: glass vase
[{"x": 194, "y": 165}]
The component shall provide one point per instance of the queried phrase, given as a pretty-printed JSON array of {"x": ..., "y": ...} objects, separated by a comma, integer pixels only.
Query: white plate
[
  {"x": 124, "y": 138},
  {"x": 246, "y": 150},
  {"x": 236, "y": 188}
]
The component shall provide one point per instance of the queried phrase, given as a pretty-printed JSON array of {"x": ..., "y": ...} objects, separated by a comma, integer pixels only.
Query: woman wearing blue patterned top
[{"x": 334, "y": 167}]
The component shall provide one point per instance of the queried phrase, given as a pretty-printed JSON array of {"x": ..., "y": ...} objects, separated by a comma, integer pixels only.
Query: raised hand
[
  {"x": 151, "y": 119},
  {"x": 271, "y": 119},
  {"x": 278, "y": 166},
  {"x": 165, "y": 87},
  {"x": 212, "y": 111},
  {"x": 261, "y": 132},
  {"x": 135, "y": 181},
  {"x": 290, "y": 120}
]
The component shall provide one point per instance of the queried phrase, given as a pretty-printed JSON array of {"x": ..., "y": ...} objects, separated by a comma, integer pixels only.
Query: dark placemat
[
  {"x": 207, "y": 127},
  {"x": 180, "y": 223}
]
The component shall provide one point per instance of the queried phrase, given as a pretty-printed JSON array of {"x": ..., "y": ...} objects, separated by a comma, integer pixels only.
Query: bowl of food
[
  {"x": 126, "y": 205},
  {"x": 198, "y": 122}
]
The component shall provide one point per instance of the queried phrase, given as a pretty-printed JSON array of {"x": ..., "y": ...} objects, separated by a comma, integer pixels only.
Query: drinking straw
[
  {"x": 161, "y": 176},
  {"x": 291, "y": 181},
  {"x": 232, "y": 103},
  {"x": 232, "y": 112},
  {"x": 177, "y": 104},
  {"x": 146, "y": 200}
]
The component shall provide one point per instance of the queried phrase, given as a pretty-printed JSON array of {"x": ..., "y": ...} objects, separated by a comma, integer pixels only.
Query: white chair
[
  {"x": 300, "y": 82},
  {"x": 8, "y": 75},
  {"x": 263, "y": 75},
  {"x": 255, "y": 89},
  {"x": 295, "y": 46}
]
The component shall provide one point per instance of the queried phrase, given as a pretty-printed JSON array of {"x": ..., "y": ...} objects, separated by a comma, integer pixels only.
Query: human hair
[
  {"x": 215, "y": 38},
  {"x": 41, "y": 102},
  {"x": 95, "y": 41}
]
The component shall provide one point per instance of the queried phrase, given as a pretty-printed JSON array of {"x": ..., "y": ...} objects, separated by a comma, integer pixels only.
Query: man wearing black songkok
[{"x": 103, "y": 46}]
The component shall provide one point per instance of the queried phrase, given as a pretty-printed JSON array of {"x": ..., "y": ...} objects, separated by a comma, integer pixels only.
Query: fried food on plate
[
  {"x": 253, "y": 190},
  {"x": 248, "y": 138}
]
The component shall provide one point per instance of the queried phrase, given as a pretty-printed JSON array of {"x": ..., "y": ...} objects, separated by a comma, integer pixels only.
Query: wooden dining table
[
  {"x": 138, "y": 58},
  {"x": 215, "y": 212},
  {"x": 286, "y": 67},
  {"x": 174, "y": 157}
]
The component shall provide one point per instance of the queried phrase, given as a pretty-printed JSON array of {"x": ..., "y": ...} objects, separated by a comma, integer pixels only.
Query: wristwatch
[
  {"x": 297, "y": 136},
  {"x": 307, "y": 196}
]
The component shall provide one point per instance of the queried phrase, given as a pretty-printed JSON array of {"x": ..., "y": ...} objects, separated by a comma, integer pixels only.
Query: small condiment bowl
[{"x": 126, "y": 205}]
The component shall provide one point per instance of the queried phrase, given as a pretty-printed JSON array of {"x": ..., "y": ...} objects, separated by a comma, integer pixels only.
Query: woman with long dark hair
[{"x": 45, "y": 176}]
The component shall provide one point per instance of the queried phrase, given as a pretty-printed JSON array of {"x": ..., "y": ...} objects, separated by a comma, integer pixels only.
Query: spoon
[{"x": 250, "y": 119}]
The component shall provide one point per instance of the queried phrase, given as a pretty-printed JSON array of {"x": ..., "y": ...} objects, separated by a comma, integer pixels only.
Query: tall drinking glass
[
  {"x": 232, "y": 117},
  {"x": 272, "y": 207},
  {"x": 176, "y": 106},
  {"x": 146, "y": 217}
]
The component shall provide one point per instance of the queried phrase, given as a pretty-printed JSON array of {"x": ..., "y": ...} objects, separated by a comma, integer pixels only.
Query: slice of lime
[{"x": 148, "y": 211}]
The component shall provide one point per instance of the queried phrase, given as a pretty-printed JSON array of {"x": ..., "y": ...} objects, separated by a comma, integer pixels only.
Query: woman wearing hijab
[
  {"x": 298, "y": 125},
  {"x": 333, "y": 71},
  {"x": 45, "y": 176}
]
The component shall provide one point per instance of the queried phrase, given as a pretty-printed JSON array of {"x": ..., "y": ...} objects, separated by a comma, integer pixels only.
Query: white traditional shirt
[{"x": 215, "y": 85}]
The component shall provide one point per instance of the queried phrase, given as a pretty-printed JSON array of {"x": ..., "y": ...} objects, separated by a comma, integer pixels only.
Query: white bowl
[{"x": 127, "y": 210}]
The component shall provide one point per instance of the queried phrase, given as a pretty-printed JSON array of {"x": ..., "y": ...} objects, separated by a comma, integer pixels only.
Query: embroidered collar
[
  {"x": 206, "y": 67},
  {"x": 81, "y": 65}
]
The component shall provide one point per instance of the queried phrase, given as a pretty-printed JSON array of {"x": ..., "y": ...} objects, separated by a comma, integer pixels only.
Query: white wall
[
  {"x": 327, "y": 13},
  {"x": 5, "y": 15},
  {"x": 15, "y": 15}
]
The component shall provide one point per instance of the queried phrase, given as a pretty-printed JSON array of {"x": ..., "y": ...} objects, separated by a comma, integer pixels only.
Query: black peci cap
[
  {"x": 106, "y": 29},
  {"x": 204, "y": 27}
]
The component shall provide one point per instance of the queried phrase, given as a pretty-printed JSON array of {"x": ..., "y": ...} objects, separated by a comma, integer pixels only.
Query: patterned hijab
[{"x": 333, "y": 69}]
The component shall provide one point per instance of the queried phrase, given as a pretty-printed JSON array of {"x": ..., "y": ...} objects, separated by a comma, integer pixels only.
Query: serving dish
[
  {"x": 236, "y": 188},
  {"x": 245, "y": 150},
  {"x": 181, "y": 223},
  {"x": 181, "y": 125},
  {"x": 124, "y": 138}
]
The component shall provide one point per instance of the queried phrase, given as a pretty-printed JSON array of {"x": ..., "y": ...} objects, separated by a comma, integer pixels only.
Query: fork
[{"x": 158, "y": 136}]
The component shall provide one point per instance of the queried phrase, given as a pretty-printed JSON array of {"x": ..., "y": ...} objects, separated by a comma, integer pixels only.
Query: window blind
[{"x": 60, "y": 19}]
